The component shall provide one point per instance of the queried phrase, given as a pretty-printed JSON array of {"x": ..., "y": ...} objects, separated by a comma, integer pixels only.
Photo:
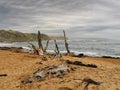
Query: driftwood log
[
  {"x": 78, "y": 63},
  {"x": 48, "y": 72}
]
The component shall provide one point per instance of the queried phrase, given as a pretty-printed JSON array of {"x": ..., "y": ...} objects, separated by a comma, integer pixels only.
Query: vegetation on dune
[{"x": 15, "y": 36}]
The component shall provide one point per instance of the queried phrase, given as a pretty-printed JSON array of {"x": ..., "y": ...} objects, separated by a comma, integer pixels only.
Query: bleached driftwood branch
[{"x": 66, "y": 44}]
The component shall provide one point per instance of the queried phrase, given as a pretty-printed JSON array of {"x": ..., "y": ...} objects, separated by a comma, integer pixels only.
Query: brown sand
[{"x": 19, "y": 66}]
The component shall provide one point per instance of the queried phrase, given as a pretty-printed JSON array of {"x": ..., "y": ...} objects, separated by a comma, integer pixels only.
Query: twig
[{"x": 3, "y": 75}]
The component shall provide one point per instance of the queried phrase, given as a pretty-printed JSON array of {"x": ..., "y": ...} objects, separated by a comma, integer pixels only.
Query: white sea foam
[
  {"x": 90, "y": 47},
  {"x": 76, "y": 52},
  {"x": 28, "y": 48},
  {"x": 6, "y": 44},
  {"x": 51, "y": 51}
]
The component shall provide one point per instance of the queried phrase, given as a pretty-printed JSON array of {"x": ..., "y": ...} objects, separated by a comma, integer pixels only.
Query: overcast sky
[{"x": 81, "y": 18}]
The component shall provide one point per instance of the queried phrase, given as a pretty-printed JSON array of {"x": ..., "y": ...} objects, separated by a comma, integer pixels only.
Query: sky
[{"x": 79, "y": 18}]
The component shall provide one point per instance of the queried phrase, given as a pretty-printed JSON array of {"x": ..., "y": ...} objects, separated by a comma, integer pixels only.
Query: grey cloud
[{"x": 76, "y": 16}]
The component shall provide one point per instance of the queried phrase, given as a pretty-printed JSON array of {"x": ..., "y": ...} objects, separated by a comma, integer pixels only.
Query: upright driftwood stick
[
  {"x": 40, "y": 42},
  {"x": 46, "y": 46},
  {"x": 58, "y": 55},
  {"x": 44, "y": 51},
  {"x": 66, "y": 44},
  {"x": 57, "y": 48}
]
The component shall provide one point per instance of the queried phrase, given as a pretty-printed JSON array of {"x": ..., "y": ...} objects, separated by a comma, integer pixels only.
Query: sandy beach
[{"x": 19, "y": 66}]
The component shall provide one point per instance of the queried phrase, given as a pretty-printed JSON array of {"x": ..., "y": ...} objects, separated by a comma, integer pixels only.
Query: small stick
[
  {"x": 46, "y": 46},
  {"x": 3, "y": 75}
]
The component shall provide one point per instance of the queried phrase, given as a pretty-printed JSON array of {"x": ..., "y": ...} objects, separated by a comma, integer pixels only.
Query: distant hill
[
  {"x": 15, "y": 36},
  {"x": 56, "y": 38}
]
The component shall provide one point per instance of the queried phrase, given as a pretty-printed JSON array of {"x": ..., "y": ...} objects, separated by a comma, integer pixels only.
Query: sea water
[{"x": 89, "y": 46}]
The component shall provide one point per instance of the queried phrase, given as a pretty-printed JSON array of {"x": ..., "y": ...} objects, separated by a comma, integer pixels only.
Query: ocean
[{"x": 97, "y": 47}]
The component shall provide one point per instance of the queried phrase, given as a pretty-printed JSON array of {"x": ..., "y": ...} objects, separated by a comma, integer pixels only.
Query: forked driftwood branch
[
  {"x": 40, "y": 50},
  {"x": 66, "y": 44},
  {"x": 34, "y": 49},
  {"x": 89, "y": 81}
]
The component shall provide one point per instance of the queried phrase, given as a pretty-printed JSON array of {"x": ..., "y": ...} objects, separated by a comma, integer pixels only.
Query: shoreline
[
  {"x": 19, "y": 66},
  {"x": 27, "y": 50}
]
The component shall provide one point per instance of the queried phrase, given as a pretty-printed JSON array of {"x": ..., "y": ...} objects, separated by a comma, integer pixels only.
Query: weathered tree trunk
[
  {"x": 40, "y": 42},
  {"x": 34, "y": 49},
  {"x": 66, "y": 44}
]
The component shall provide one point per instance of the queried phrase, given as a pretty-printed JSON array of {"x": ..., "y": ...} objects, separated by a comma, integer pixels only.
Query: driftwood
[
  {"x": 48, "y": 71},
  {"x": 40, "y": 41},
  {"x": 56, "y": 48},
  {"x": 64, "y": 88},
  {"x": 110, "y": 57},
  {"x": 78, "y": 63},
  {"x": 10, "y": 48},
  {"x": 34, "y": 49},
  {"x": 66, "y": 44},
  {"x": 58, "y": 54},
  {"x": 46, "y": 46},
  {"x": 1, "y": 75},
  {"x": 79, "y": 55},
  {"x": 89, "y": 81},
  {"x": 44, "y": 51},
  {"x": 41, "y": 50},
  {"x": 14, "y": 49}
]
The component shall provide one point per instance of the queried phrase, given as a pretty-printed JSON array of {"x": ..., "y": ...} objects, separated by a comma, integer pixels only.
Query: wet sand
[{"x": 18, "y": 66}]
